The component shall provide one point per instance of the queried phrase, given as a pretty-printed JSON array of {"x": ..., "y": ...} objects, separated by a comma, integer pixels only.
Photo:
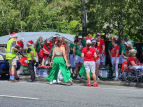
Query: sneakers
[
  {"x": 88, "y": 85},
  {"x": 73, "y": 75},
  {"x": 78, "y": 77},
  {"x": 115, "y": 78},
  {"x": 95, "y": 85},
  {"x": 13, "y": 80},
  {"x": 51, "y": 83},
  {"x": 82, "y": 77},
  {"x": 70, "y": 81}
]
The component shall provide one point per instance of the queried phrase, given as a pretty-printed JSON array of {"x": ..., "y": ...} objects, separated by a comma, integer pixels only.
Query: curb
[{"x": 83, "y": 81}]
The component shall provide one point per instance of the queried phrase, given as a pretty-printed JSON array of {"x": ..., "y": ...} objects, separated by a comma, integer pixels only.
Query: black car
[{"x": 4, "y": 66}]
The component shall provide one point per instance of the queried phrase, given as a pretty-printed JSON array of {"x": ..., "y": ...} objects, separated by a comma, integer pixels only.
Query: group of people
[{"x": 84, "y": 52}]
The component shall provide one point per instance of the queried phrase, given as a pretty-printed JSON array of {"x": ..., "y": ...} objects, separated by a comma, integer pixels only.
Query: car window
[{"x": 1, "y": 58}]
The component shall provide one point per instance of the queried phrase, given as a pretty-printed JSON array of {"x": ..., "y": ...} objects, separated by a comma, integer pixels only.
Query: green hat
[
  {"x": 133, "y": 51},
  {"x": 132, "y": 41}
]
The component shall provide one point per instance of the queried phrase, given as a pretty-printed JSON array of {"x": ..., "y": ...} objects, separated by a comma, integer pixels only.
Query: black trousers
[{"x": 31, "y": 69}]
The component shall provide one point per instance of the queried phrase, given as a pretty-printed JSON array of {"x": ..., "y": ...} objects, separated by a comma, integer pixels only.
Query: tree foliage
[{"x": 65, "y": 16}]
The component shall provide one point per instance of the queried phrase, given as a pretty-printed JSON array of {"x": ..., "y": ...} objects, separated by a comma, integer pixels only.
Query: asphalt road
[{"x": 25, "y": 94}]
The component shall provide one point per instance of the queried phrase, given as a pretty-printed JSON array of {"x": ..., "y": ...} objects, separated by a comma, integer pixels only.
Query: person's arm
[
  {"x": 53, "y": 55},
  {"x": 45, "y": 51},
  {"x": 109, "y": 53},
  {"x": 133, "y": 63},
  {"x": 74, "y": 51},
  {"x": 82, "y": 55},
  {"x": 95, "y": 55},
  {"x": 32, "y": 54},
  {"x": 122, "y": 53},
  {"x": 103, "y": 48},
  {"x": 117, "y": 53},
  {"x": 64, "y": 55}
]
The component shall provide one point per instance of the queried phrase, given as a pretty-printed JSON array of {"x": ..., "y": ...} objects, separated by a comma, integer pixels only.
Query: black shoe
[
  {"x": 48, "y": 65},
  {"x": 17, "y": 78},
  {"x": 31, "y": 81}
]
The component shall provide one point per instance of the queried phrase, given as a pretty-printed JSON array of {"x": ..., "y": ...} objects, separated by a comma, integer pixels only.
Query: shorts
[
  {"x": 13, "y": 62},
  {"x": 72, "y": 60},
  {"x": 123, "y": 59},
  {"x": 89, "y": 65},
  {"x": 78, "y": 59},
  {"x": 97, "y": 62},
  {"x": 101, "y": 60}
]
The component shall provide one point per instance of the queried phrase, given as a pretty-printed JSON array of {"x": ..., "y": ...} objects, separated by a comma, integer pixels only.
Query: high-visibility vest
[
  {"x": 10, "y": 54},
  {"x": 29, "y": 56}
]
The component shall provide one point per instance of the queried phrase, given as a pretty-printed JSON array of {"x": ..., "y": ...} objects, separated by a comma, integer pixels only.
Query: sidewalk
[{"x": 83, "y": 81}]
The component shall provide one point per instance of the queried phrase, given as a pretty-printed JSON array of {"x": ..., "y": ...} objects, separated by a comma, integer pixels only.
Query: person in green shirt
[
  {"x": 72, "y": 58},
  {"x": 133, "y": 45},
  {"x": 122, "y": 51},
  {"x": 77, "y": 50},
  {"x": 38, "y": 46}
]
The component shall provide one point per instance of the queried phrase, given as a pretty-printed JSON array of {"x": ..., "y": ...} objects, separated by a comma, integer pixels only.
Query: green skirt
[
  {"x": 82, "y": 72},
  {"x": 59, "y": 63}
]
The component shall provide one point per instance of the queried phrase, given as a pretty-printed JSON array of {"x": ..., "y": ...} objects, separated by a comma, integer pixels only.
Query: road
[{"x": 25, "y": 94}]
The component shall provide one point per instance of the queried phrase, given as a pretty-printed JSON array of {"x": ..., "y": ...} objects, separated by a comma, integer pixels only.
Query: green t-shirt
[
  {"x": 78, "y": 51},
  {"x": 83, "y": 43},
  {"x": 122, "y": 49},
  {"x": 38, "y": 46},
  {"x": 110, "y": 46},
  {"x": 142, "y": 49},
  {"x": 71, "y": 46},
  {"x": 134, "y": 48}
]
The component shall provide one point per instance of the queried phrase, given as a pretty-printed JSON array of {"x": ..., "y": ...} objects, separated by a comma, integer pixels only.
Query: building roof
[{"x": 35, "y": 35}]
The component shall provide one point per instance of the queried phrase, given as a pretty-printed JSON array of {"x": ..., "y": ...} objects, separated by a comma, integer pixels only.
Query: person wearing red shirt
[
  {"x": 97, "y": 59},
  {"x": 46, "y": 51},
  {"x": 52, "y": 42},
  {"x": 101, "y": 46},
  {"x": 89, "y": 64},
  {"x": 20, "y": 44},
  {"x": 115, "y": 57}
]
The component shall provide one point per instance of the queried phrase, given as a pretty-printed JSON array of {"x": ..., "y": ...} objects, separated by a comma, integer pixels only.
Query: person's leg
[
  {"x": 76, "y": 65},
  {"x": 87, "y": 69},
  {"x": 97, "y": 69},
  {"x": 55, "y": 69},
  {"x": 64, "y": 69},
  {"x": 31, "y": 70}
]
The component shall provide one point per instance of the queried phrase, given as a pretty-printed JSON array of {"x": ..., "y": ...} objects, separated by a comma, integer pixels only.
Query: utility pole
[{"x": 84, "y": 18}]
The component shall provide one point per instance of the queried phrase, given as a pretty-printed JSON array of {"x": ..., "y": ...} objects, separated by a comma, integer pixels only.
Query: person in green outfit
[
  {"x": 121, "y": 50},
  {"x": 59, "y": 61},
  {"x": 133, "y": 45},
  {"x": 77, "y": 50}
]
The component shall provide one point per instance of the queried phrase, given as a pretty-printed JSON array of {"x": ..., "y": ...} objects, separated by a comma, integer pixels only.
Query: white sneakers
[
  {"x": 51, "y": 83},
  {"x": 78, "y": 77},
  {"x": 73, "y": 75},
  {"x": 82, "y": 77},
  {"x": 71, "y": 83}
]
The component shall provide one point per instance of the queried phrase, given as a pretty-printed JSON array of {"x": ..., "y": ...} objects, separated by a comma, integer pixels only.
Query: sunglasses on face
[{"x": 97, "y": 35}]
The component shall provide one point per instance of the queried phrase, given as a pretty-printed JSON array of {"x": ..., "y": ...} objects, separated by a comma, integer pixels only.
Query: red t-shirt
[
  {"x": 88, "y": 54},
  {"x": 114, "y": 49},
  {"x": 88, "y": 38},
  {"x": 50, "y": 44},
  {"x": 133, "y": 59},
  {"x": 21, "y": 45},
  {"x": 97, "y": 49},
  {"x": 46, "y": 48},
  {"x": 100, "y": 43}
]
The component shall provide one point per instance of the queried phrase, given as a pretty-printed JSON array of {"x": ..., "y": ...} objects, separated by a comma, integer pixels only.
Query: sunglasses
[{"x": 97, "y": 35}]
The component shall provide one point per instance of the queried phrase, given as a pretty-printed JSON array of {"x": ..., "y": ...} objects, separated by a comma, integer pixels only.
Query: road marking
[{"x": 19, "y": 97}]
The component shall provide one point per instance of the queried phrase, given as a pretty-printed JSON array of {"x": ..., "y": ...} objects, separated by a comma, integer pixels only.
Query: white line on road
[{"x": 19, "y": 97}]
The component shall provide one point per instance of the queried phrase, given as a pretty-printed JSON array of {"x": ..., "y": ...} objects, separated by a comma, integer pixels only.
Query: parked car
[{"x": 4, "y": 66}]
